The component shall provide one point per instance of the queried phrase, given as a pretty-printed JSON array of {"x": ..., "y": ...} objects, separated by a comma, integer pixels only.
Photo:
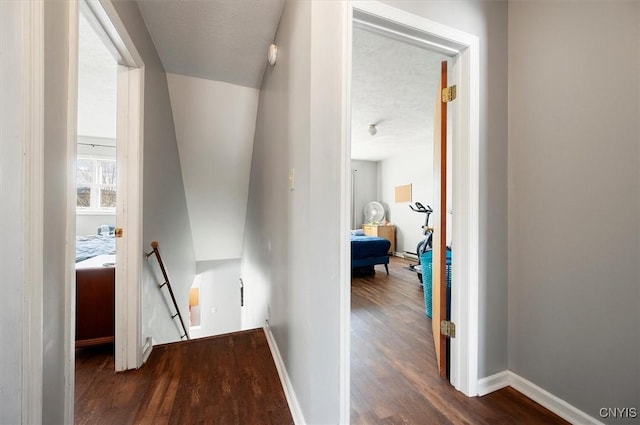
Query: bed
[
  {"x": 95, "y": 289},
  {"x": 93, "y": 245},
  {"x": 368, "y": 251}
]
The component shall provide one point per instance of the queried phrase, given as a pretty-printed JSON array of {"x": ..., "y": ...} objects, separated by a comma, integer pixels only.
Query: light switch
[{"x": 292, "y": 179}]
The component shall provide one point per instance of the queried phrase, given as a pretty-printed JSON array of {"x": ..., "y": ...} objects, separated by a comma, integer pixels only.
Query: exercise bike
[{"x": 426, "y": 243}]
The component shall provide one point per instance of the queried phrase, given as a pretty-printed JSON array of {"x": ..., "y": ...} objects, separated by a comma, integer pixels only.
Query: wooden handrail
[{"x": 154, "y": 246}]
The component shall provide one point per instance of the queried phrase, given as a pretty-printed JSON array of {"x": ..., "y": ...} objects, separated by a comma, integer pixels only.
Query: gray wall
[
  {"x": 574, "y": 301},
  {"x": 365, "y": 189},
  {"x": 298, "y": 126},
  {"x": 11, "y": 215},
  {"x": 414, "y": 166},
  {"x": 56, "y": 47},
  {"x": 488, "y": 21},
  {"x": 219, "y": 300},
  {"x": 165, "y": 217},
  {"x": 275, "y": 260}
]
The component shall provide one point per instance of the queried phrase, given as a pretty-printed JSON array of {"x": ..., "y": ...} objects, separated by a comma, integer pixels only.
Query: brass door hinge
[
  {"x": 118, "y": 232},
  {"x": 449, "y": 94},
  {"x": 448, "y": 328}
]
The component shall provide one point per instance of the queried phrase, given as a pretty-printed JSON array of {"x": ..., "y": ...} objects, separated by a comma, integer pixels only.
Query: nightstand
[{"x": 382, "y": 231}]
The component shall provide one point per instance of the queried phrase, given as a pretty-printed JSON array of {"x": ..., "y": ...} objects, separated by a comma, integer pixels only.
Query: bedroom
[{"x": 392, "y": 132}]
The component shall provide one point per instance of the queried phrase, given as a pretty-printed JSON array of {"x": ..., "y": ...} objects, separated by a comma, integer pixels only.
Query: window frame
[{"x": 96, "y": 186}]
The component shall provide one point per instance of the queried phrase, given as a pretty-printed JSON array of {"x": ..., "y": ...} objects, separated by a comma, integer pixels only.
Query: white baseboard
[
  {"x": 146, "y": 349},
  {"x": 555, "y": 404},
  {"x": 409, "y": 256},
  {"x": 290, "y": 394},
  {"x": 493, "y": 383},
  {"x": 541, "y": 396}
]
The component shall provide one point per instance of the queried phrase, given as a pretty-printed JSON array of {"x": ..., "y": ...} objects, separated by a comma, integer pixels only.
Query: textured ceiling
[
  {"x": 393, "y": 86},
  {"x": 97, "y": 72},
  {"x": 221, "y": 40}
]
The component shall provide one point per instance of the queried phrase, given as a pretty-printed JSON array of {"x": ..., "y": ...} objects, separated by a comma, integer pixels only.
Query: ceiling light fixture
[{"x": 372, "y": 129}]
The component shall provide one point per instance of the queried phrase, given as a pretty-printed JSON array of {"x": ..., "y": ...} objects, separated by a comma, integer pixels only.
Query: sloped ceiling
[
  {"x": 394, "y": 86},
  {"x": 215, "y": 123},
  {"x": 220, "y": 40}
]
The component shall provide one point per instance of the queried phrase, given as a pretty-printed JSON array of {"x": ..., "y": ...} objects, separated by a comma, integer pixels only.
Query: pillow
[
  {"x": 357, "y": 232},
  {"x": 106, "y": 230}
]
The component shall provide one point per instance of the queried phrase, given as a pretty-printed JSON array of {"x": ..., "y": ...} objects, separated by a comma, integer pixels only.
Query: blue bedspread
[
  {"x": 368, "y": 246},
  {"x": 94, "y": 245}
]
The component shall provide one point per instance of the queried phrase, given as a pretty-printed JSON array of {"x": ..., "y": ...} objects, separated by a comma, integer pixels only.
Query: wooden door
[{"x": 439, "y": 293}]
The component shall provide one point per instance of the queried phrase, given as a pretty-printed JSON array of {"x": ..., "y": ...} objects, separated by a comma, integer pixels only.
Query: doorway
[
  {"x": 464, "y": 299},
  {"x": 96, "y": 191},
  {"x": 109, "y": 185},
  {"x": 394, "y": 85}
]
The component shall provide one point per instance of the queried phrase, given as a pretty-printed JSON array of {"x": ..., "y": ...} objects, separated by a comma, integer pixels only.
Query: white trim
[
  {"x": 147, "y": 349},
  {"x": 287, "y": 386},
  {"x": 466, "y": 217},
  {"x": 70, "y": 254},
  {"x": 550, "y": 401},
  {"x": 128, "y": 328},
  {"x": 464, "y": 348},
  {"x": 493, "y": 383},
  {"x": 135, "y": 166},
  {"x": 32, "y": 51},
  {"x": 113, "y": 28},
  {"x": 345, "y": 223},
  {"x": 94, "y": 212}
]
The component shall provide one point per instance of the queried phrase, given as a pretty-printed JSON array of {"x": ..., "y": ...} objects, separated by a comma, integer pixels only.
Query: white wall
[
  {"x": 412, "y": 166},
  {"x": 87, "y": 224},
  {"x": 488, "y": 21},
  {"x": 365, "y": 189},
  {"x": 165, "y": 218},
  {"x": 215, "y": 124},
  {"x": 219, "y": 283},
  {"x": 11, "y": 214},
  {"x": 574, "y": 231},
  {"x": 298, "y": 126}
]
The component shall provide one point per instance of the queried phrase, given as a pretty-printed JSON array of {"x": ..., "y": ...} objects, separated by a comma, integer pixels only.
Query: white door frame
[
  {"x": 31, "y": 52},
  {"x": 129, "y": 248},
  {"x": 466, "y": 188}
]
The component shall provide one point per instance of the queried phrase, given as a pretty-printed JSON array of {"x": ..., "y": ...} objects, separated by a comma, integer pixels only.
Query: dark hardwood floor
[
  {"x": 224, "y": 380},
  {"x": 231, "y": 379},
  {"x": 394, "y": 377}
]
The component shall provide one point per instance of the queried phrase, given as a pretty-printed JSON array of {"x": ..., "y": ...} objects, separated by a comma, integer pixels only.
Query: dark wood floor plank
[
  {"x": 228, "y": 379},
  {"x": 231, "y": 379},
  {"x": 394, "y": 376}
]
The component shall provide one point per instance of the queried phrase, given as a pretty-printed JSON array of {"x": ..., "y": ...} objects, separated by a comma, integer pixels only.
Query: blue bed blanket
[
  {"x": 368, "y": 246},
  {"x": 94, "y": 245}
]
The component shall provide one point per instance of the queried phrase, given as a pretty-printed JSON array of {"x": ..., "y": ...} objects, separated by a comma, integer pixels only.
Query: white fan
[{"x": 373, "y": 212}]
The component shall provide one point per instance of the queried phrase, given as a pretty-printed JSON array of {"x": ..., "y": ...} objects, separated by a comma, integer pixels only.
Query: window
[{"x": 96, "y": 184}]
